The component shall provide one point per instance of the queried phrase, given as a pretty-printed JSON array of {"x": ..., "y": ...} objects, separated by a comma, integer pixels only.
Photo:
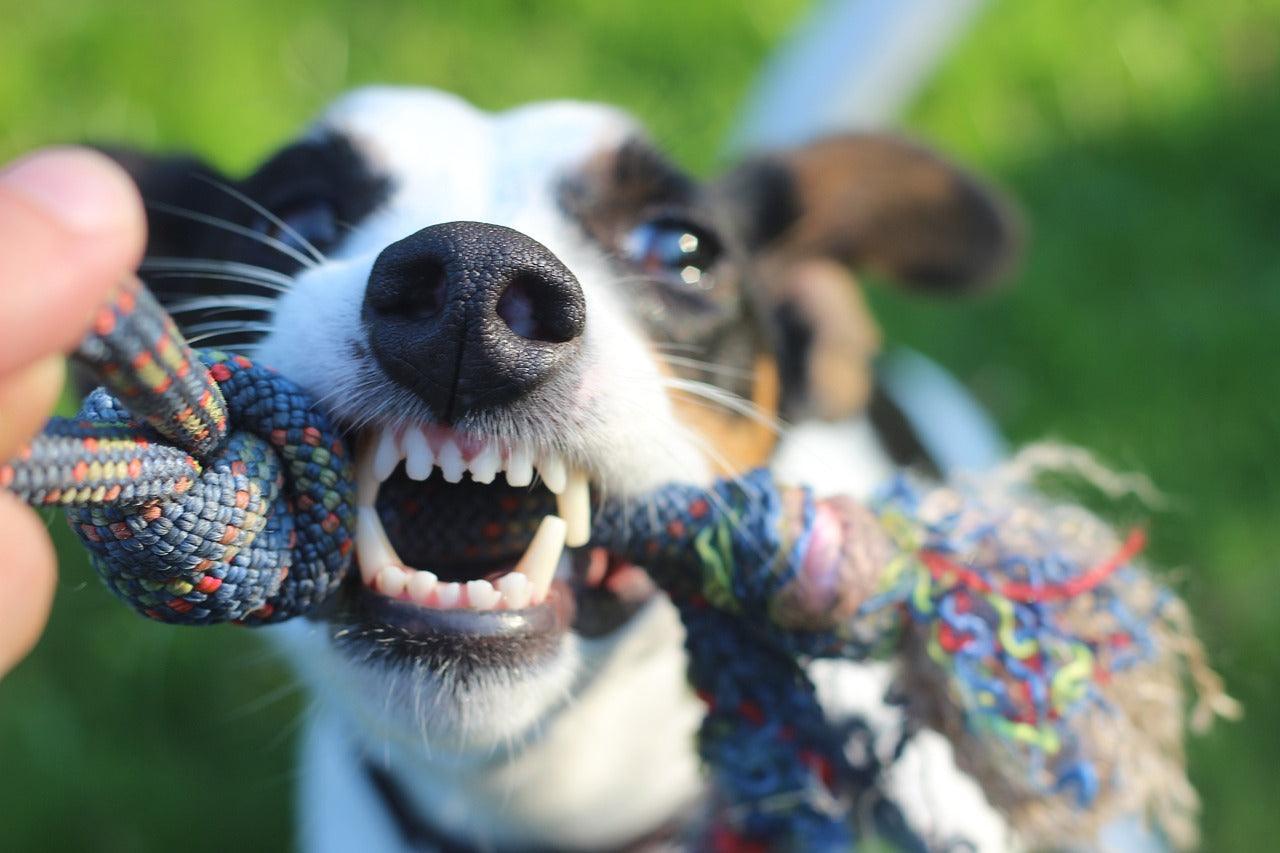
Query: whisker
[
  {"x": 709, "y": 493},
  {"x": 266, "y": 700},
  {"x": 220, "y": 304},
  {"x": 225, "y": 329},
  {"x": 353, "y": 389},
  {"x": 148, "y": 275},
  {"x": 229, "y": 324},
  {"x": 727, "y": 401},
  {"x": 706, "y": 366},
  {"x": 671, "y": 346},
  {"x": 166, "y": 264},
  {"x": 233, "y": 228},
  {"x": 315, "y": 253}
]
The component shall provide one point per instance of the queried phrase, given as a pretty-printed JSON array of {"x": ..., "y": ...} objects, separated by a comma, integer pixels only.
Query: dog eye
[
  {"x": 673, "y": 249},
  {"x": 313, "y": 221}
]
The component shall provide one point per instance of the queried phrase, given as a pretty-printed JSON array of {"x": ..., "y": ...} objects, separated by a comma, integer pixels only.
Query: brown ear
[
  {"x": 811, "y": 216},
  {"x": 878, "y": 203}
]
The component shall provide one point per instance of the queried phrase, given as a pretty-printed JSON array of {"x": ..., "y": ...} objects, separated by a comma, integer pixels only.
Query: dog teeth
[
  {"x": 515, "y": 590},
  {"x": 542, "y": 556},
  {"x": 418, "y": 458},
  {"x": 387, "y": 455},
  {"x": 424, "y": 448},
  {"x": 451, "y": 463},
  {"x": 448, "y": 595},
  {"x": 373, "y": 549},
  {"x": 573, "y": 504},
  {"x": 421, "y": 586},
  {"x": 519, "y": 466},
  {"x": 553, "y": 472},
  {"x": 484, "y": 466},
  {"x": 366, "y": 477},
  {"x": 482, "y": 596},
  {"x": 391, "y": 581}
]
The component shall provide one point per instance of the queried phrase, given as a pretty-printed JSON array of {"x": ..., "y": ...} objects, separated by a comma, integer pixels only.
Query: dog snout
[{"x": 470, "y": 316}]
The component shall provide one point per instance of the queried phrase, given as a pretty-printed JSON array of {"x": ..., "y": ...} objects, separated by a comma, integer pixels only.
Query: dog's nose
[{"x": 469, "y": 315}]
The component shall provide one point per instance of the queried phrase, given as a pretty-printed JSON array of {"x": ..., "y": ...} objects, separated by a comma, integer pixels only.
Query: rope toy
[
  {"x": 209, "y": 489},
  {"x": 190, "y": 516}
]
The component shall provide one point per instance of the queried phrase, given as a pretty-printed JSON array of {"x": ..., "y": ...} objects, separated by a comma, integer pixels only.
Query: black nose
[{"x": 470, "y": 316}]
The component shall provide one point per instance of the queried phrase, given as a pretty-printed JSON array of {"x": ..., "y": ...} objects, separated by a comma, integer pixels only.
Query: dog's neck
[{"x": 614, "y": 765}]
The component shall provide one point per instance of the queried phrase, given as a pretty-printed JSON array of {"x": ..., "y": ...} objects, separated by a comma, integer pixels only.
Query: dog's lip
[{"x": 553, "y": 616}]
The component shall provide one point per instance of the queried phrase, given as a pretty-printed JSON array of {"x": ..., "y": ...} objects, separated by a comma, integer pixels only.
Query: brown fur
[
  {"x": 884, "y": 204},
  {"x": 836, "y": 367},
  {"x": 739, "y": 442}
]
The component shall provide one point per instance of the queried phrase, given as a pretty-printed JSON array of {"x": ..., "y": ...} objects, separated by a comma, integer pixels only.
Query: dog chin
[{"x": 461, "y": 700}]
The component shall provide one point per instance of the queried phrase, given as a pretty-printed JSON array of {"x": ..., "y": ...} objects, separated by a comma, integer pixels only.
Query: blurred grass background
[{"x": 1141, "y": 138}]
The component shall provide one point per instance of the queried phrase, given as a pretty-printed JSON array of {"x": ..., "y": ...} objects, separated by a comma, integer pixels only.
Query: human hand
[{"x": 71, "y": 224}]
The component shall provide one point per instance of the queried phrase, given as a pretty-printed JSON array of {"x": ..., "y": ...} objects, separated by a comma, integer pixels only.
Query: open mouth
[{"x": 436, "y": 528}]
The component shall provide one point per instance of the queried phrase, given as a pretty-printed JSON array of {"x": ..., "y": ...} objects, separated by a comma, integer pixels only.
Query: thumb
[{"x": 71, "y": 223}]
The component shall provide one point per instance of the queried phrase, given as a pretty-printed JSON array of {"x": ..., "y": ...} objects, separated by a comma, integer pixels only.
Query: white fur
[
  {"x": 615, "y": 762},
  {"x": 448, "y": 162},
  {"x": 516, "y": 756},
  {"x": 833, "y": 458}
]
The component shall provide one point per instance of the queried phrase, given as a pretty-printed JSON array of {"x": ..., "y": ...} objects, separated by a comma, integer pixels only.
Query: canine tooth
[
  {"x": 450, "y": 460},
  {"x": 542, "y": 556},
  {"x": 366, "y": 480},
  {"x": 448, "y": 595},
  {"x": 421, "y": 585},
  {"x": 418, "y": 458},
  {"x": 519, "y": 466},
  {"x": 574, "y": 506},
  {"x": 484, "y": 466},
  {"x": 391, "y": 581},
  {"x": 552, "y": 469},
  {"x": 515, "y": 590},
  {"x": 481, "y": 595},
  {"x": 387, "y": 456},
  {"x": 373, "y": 549}
]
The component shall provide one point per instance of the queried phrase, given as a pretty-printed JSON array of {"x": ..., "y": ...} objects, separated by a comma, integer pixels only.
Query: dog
[{"x": 514, "y": 315}]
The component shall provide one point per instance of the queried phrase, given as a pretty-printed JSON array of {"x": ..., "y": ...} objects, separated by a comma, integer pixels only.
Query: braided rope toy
[
  {"x": 190, "y": 518},
  {"x": 208, "y": 489}
]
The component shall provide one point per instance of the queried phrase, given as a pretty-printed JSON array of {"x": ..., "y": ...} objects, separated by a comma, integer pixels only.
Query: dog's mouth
[{"x": 465, "y": 536}]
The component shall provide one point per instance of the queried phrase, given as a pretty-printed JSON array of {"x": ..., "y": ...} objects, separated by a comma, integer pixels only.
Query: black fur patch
[
  {"x": 619, "y": 189},
  {"x": 761, "y": 198},
  {"x": 199, "y": 222},
  {"x": 793, "y": 343}
]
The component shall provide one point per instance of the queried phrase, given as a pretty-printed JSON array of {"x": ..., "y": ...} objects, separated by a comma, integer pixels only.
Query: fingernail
[{"x": 81, "y": 189}]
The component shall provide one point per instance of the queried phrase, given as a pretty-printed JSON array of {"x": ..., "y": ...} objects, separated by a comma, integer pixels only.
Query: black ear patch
[
  {"x": 878, "y": 203},
  {"x": 193, "y": 211},
  {"x": 761, "y": 199},
  {"x": 220, "y": 250},
  {"x": 174, "y": 181}
]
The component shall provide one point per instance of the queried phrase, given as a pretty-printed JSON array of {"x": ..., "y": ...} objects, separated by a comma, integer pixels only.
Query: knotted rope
[
  {"x": 189, "y": 515},
  {"x": 210, "y": 489}
]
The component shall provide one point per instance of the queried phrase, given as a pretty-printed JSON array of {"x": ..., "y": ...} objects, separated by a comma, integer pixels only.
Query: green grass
[{"x": 1141, "y": 139}]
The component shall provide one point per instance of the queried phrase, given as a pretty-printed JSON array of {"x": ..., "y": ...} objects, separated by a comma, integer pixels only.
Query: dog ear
[
  {"x": 877, "y": 203},
  {"x": 168, "y": 182},
  {"x": 811, "y": 216}
]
